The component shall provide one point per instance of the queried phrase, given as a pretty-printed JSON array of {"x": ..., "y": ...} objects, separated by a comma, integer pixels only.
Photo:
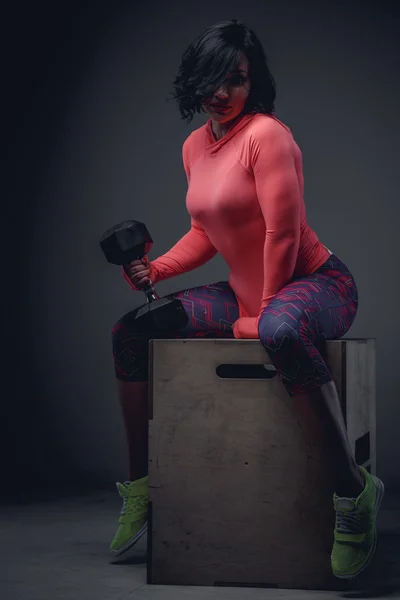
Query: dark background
[{"x": 90, "y": 141}]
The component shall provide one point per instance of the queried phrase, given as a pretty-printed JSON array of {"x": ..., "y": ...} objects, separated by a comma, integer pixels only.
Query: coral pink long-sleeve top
[{"x": 245, "y": 200}]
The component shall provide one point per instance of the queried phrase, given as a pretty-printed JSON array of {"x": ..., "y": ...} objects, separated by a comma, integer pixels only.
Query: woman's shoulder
[
  {"x": 194, "y": 144},
  {"x": 265, "y": 124}
]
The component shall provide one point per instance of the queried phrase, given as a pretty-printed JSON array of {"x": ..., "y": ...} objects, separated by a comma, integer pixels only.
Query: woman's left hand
[{"x": 246, "y": 328}]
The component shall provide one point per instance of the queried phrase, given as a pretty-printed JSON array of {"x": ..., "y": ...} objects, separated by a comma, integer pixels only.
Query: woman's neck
[{"x": 221, "y": 129}]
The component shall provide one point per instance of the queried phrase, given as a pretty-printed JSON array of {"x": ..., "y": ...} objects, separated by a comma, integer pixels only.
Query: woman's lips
[{"x": 219, "y": 108}]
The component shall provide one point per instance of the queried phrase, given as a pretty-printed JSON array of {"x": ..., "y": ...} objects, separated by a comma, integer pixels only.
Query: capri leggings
[{"x": 292, "y": 328}]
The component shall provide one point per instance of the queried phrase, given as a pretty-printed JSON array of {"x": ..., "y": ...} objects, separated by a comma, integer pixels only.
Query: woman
[{"x": 245, "y": 199}]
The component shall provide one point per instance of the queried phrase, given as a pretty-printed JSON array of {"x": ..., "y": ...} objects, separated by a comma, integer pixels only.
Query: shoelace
[
  {"x": 351, "y": 522},
  {"x": 131, "y": 504}
]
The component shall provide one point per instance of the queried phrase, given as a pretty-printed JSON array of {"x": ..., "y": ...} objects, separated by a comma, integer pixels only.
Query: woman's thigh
[
  {"x": 306, "y": 312},
  {"x": 211, "y": 310},
  {"x": 323, "y": 304}
]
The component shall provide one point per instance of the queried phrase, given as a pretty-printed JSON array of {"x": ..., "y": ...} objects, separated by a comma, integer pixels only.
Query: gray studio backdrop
[{"x": 118, "y": 156}]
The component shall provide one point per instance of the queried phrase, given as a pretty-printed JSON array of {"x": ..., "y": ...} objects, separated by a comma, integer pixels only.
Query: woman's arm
[
  {"x": 191, "y": 251},
  {"x": 280, "y": 200},
  {"x": 279, "y": 196}
]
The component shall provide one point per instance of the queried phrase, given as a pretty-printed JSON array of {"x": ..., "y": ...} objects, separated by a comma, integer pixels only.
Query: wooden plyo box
[{"x": 237, "y": 495}]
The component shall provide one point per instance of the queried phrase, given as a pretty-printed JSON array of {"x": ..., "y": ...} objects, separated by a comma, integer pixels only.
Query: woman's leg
[
  {"x": 306, "y": 312},
  {"x": 212, "y": 310},
  {"x": 132, "y": 396}
]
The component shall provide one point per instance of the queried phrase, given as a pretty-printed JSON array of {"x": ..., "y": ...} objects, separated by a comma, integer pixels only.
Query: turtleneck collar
[{"x": 212, "y": 145}]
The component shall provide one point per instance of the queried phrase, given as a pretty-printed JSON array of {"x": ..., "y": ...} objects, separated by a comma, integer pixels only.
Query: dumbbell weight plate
[{"x": 164, "y": 314}]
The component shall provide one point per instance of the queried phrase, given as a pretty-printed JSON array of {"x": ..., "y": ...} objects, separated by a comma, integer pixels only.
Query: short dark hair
[{"x": 211, "y": 57}]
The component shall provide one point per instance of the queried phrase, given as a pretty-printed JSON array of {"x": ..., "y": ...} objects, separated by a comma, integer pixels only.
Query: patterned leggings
[{"x": 306, "y": 312}]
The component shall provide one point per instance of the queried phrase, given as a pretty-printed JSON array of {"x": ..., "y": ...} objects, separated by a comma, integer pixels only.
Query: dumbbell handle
[
  {"x": 149, "y": 290},
  {"x": 151, "y": 294}
]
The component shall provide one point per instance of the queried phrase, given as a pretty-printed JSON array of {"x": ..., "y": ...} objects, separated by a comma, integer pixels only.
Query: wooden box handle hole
[{"x": 248, "y": 371}]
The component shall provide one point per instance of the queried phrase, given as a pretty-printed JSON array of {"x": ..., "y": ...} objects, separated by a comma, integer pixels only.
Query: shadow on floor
[{"x": 382, "y": 578}]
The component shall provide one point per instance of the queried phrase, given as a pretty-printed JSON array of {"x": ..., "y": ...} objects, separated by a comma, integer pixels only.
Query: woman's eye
[{"x": 237, "y": 80}]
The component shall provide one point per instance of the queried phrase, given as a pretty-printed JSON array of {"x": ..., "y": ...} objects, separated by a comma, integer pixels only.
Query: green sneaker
[
  {"x": 355, "y": 529},
  {"x": 133, "y": 518}
]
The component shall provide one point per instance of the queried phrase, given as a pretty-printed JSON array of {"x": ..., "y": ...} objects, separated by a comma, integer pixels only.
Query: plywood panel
[{"x": 237, "y": 494}]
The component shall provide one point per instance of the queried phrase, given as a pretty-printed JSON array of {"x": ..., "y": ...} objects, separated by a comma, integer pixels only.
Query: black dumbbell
[{"x": 130, "y": 241}]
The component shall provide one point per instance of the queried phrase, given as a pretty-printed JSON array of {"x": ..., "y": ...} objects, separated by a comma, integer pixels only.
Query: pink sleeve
[
  {"x": 193, "y": 250},
  {"x": 280, "y": 200}
]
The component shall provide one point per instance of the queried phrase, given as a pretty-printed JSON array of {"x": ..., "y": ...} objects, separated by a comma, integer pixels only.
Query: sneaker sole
[
  {"x": 131, "y": 542},
  {"x": 380, "y": 494}
]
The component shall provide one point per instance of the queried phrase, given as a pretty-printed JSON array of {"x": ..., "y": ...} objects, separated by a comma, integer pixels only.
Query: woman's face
[{"x": 232, "y": 95}]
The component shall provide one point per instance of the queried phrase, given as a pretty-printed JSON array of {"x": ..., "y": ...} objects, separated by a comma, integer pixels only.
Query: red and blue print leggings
[{"x": 306, "y": 312}]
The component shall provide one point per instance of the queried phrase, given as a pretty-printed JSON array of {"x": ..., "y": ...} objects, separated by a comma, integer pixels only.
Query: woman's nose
[{"x": 222, "y": 92}]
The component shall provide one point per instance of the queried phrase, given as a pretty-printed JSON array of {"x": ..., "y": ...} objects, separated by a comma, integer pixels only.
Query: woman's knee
[
  {"x": 119, "y": 331},
  {"x": 276, "y": 331},
  {"x": 130, "y": 350},
  {"x": 125, "y": 328}
]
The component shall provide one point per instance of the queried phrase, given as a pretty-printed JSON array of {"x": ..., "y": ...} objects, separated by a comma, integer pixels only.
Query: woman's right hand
[{"x": 139, "y": 272}]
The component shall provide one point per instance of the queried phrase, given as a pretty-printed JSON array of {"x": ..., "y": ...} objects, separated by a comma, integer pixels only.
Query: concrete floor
[{"x": 58, "y": 550}]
